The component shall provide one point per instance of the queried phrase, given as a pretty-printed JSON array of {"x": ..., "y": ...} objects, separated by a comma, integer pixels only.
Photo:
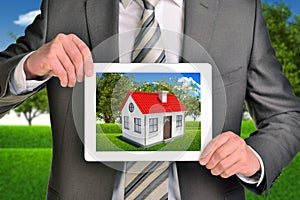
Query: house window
[
  {"x": 126, "y": 122},
  {"x": 137, "y": 125},
  {"x": 178, "y": 120},
  {"x": 153, "y": 125},
  {"x": 131, "y": 107}
]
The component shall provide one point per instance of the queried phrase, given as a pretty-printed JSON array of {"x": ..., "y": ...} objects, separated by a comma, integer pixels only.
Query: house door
[{"x": 167, "y": 127}]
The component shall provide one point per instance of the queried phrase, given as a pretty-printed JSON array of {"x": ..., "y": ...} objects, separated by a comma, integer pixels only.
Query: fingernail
[
  {"x": 202, "y": 161},
  {"x": 89, "y": 68},
  {"x": 79, "y": 79},
  {"x": 89, "y": 72}
]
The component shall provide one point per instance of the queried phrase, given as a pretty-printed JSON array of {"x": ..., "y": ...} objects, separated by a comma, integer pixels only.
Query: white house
[{"x": 151, "y": 118}]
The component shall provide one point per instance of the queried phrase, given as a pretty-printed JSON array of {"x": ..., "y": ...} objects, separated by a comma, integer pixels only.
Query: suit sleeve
[
  {"x": 35, "y": 37},
  {"x": 273, "y": 106}
]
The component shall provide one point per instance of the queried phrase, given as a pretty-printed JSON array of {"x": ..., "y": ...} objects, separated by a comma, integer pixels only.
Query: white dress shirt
[{"x": 170, "y": 16}]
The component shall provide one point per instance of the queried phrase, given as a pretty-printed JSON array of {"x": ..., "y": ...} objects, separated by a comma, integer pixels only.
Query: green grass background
[
  {"x": 25, "y": 137},
  {"x": 25, "y": 158}
]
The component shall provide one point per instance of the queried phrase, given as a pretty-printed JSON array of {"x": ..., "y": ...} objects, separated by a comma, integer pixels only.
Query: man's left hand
[{"x": 227, "y": 155}]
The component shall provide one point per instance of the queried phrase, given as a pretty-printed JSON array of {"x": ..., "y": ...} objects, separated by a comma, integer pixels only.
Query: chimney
[{"x": 162, "y": 95}]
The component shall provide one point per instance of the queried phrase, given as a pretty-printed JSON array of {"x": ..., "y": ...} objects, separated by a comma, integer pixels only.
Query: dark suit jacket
[{"x": 234, "y": 34}]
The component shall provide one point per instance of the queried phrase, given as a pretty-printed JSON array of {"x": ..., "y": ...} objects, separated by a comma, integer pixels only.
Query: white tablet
[{"x": 147, "y": 112}]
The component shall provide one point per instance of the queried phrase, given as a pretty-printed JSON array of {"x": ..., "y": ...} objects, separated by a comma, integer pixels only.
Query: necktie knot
[{"x": 150, "y": 4}]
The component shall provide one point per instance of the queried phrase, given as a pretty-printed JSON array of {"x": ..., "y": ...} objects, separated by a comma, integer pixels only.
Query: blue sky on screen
[
  {"x": 15, "y": 15},
  {"x": 183, "y": 80},
  {"x": 152, "y": 77}
]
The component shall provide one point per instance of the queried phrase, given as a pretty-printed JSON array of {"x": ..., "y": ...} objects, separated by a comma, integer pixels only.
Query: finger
[
  {"x": 74, "y": 54},
  {"x": 88, "y": 67},
  {"x": 226, "y": 163},
  {"x": 80, "y": 74},
  {"x": 212, "y": 147},
  {"x": 229, "y": 147},
  {"x": 232, "y": 170},
  {"x": 67, "y": 64},
  {"x": 58, "y": 71}
]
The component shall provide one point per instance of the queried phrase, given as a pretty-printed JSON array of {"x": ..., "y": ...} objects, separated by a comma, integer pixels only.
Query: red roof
[{"x": 149, "y": 102}]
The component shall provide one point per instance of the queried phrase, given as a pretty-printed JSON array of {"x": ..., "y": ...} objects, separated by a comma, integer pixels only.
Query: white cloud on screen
[
  {"x": 26, "y": 19},
  {"x": 188, "y": 83}
]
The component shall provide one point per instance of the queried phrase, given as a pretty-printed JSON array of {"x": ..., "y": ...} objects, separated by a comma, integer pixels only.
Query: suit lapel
[
  {"x": 200, "y": 20},
  {"x": 102, "y": 20},
  {"x": 200, "y": 23}
]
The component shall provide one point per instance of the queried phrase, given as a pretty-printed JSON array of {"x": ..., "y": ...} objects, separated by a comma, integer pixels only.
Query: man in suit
[{"x": 57, "y": 46}]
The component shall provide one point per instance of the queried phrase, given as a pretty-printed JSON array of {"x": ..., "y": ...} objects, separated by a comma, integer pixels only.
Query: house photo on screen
[
  {"x": 148, "y": 111},
  {"x": 150, "y": 118}
]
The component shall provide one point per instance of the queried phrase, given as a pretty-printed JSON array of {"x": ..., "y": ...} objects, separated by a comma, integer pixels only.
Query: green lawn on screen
[{"x": 109, "y": 138}]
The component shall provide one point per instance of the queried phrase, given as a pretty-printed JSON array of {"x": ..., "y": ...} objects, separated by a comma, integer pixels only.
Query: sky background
[{"x": 10, "y": 15}]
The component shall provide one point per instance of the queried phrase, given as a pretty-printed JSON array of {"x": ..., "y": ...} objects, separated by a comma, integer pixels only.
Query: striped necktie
[
  {"x": 147, "y": 180},
  {"x": 148, "y": 46}
]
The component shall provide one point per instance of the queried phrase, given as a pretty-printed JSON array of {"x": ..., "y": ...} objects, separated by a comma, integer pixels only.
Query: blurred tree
[
  {"x": 284, "y": 30},
  {"x": 34, "y": 106},
  {"x": 12, "y": 35}
]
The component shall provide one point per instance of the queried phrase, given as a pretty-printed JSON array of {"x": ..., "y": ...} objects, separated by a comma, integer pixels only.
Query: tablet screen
[{"x": 141, "y": 112}]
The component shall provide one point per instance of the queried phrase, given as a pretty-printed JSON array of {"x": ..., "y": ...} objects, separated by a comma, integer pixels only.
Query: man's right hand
[{"x": 65, "y": 57}]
